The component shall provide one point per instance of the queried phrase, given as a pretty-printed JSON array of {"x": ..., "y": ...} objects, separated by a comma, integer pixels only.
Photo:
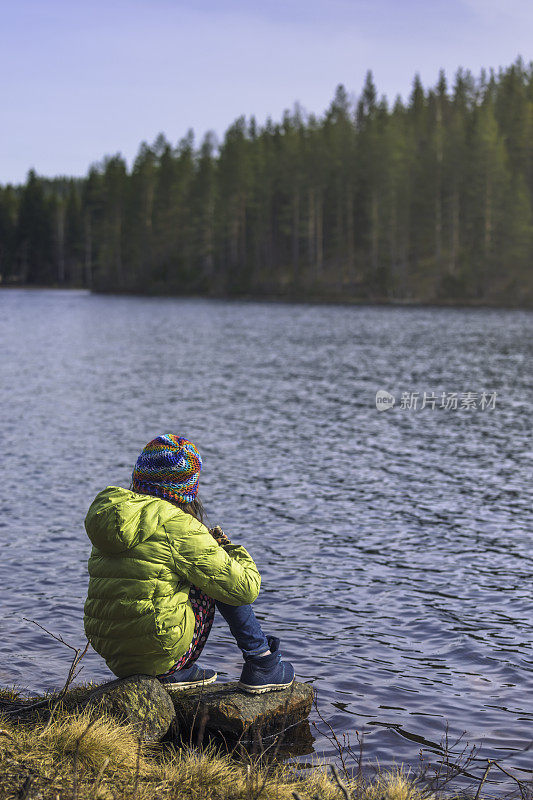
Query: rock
[
  {"x": 220, "y": 710},
  {"x": 224, "y": 710},
  {"x": 139, "y": 700}
]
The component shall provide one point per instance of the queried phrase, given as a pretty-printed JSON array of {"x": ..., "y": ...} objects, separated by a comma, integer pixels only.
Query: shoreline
[
  {"x": 64, "y": 751},
  {"x": 311, "y": 300}
]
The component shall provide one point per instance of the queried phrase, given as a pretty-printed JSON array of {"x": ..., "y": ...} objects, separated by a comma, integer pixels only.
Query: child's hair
[{"x": 195, "y": 508}]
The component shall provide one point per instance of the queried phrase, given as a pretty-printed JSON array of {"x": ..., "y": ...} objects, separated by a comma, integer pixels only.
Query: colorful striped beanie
[{"x": 168, "y": 467}]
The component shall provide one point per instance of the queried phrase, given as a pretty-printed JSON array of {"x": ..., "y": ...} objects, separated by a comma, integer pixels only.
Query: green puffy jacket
[{"x": 146, "y": 555}]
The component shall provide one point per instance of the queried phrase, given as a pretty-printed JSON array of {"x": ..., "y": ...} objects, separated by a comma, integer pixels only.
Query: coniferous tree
[
  {"x": 112, "y": 270},
  {"x": 34, "y": 234},
  {"x": 165, "y": 215},
  {"x": 139, "y": 218},
  {"x": 8, "y": 221},
  {"x": 203, "y": 213},
  {"x": 234, "y": 182},
  {"x": 92, "y": 206},
  {"x": 73, "y": 237},
  {"x": 425, "y": 200}
]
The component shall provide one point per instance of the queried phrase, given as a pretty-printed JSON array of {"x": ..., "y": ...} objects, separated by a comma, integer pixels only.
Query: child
[{"x": 157, "y": 573}]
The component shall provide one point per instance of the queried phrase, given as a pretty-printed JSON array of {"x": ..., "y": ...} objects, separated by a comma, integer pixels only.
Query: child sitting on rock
[{"x": 157, "y": 573}]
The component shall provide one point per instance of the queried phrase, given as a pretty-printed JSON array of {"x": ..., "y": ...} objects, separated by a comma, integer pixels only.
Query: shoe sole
[
  {"x": 267, "y": 687},
  {"x": 188, "y": 684}
]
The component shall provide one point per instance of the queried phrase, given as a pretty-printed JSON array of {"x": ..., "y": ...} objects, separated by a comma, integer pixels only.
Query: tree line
[{"x": 429, "y": 199}]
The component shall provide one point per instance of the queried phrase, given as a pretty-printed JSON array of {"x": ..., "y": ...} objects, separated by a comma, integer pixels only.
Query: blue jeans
[{"x": 245, "y": 628}]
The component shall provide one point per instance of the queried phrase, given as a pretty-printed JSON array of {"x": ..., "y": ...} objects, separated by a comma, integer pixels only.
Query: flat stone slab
[{"x": 224, "y": 709}]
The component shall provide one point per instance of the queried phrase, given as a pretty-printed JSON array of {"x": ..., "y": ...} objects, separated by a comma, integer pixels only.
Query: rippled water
[{"x": 395, "y": 547}]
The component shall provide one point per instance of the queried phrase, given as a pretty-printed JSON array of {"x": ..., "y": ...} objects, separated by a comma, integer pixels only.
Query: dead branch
[
  {"x": 340, "y": 784},
  {"x": 57, "y": 637},
  {"x": 332, "y": 737},
  {"x": 70, "y": 677},
  {"x": 520, "y": 783},
  {"x": 100, "y": 776},
  {"x": 483, "y": 779},
  {"x": 78, "y": 656}
]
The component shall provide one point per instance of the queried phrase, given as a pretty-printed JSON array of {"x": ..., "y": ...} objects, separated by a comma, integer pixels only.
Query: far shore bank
[{"x": 331, "y": 299}]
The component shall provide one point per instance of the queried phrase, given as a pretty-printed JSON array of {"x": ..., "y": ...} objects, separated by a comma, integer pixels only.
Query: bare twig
[
  {"x": 446, "y": 769},
  {"x": 78, "y": 655},
  {"x": 451, "y": 765},
  {"x": 100, "y": 776},
  {"x": 28, "y": 707},
  {"x": 331, "y": 737},
  {"x": 238, "y": 746},
  {"x": 277, "y": 737},
  {"x": 43, "y": 703},
  {"x": 514, "y": 778},
  {"x": 360, "y": 739},
  {"x": 340, "y": 784},
  {"x": 483, "y": 779},
  {"x": 55, "y": 636}
]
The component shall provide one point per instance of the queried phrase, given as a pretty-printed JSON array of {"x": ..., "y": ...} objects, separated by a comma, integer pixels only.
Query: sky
[{"x": 81, "y": 80}]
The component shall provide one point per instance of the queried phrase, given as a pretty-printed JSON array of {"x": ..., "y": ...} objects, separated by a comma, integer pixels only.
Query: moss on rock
[
  {"x": 225, "y": 709},
  {"x": 139, "y": 700}
]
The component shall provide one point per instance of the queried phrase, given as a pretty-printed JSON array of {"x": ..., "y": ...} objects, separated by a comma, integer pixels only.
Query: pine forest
[{"x": 427, "y": 200}]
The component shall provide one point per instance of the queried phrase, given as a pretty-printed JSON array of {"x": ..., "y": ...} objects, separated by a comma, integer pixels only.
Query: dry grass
[
  {"x": 71, "y": 751},
  {"x": 94, "y": 740},
  {"x": 9, "y": 695},
  {"x": 197, "y": 775},
  {"x": 88, "y": 756},
  {"x": 395, "y": 785}
]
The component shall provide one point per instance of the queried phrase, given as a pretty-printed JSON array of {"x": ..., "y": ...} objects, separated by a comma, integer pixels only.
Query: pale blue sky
[{"x": 84, "y": 79}]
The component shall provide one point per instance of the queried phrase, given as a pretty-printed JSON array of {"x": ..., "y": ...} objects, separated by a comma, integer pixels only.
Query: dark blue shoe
[
  {"x": 266, "y": 673},
  {"x": 188, "y": 678}
]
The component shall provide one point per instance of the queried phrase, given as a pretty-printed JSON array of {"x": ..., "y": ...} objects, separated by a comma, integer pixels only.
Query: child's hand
[{"x": 218, "y": 534}]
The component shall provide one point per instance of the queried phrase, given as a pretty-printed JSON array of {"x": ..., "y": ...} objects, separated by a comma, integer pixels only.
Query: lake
[{"x": 395, "y": 546}]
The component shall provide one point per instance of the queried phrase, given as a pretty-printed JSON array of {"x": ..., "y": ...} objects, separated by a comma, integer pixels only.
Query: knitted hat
[{"x": 168, "y": 467}]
